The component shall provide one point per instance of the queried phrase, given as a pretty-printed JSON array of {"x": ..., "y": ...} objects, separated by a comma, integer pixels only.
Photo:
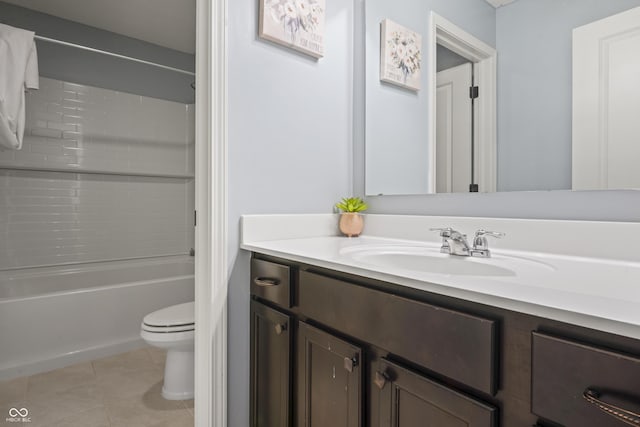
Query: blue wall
[{"x": 290, "y": 131}]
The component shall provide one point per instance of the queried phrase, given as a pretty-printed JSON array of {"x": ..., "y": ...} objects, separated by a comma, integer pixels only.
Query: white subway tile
[
  {"x": 48, "y": 218},
  {"x": 49, "y": 133}
]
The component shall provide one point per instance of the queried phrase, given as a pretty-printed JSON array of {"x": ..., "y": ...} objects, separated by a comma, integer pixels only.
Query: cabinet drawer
[
  {"x": 407, "y": 398},
  {"x": 457, "y": 345},
  {"x": 271, "y": 282},
  {"x": 563, "y": 371}
]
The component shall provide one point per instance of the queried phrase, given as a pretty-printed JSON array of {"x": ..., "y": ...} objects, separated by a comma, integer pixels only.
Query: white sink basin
[{"x": 431, "y": 260}]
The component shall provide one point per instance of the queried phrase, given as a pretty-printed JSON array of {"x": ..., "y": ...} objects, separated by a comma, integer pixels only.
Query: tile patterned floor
[{"x": 122, "y": 390}]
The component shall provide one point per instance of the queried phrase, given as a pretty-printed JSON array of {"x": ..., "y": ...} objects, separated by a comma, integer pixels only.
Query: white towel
[{"x": 18, "y": 72}]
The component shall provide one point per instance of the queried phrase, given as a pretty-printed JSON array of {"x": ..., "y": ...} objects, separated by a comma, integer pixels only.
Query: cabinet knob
[
  {"x": 280, "y": 328},
  {"x": 350, "y": 363},
  {"x": 380, "y": 379}
]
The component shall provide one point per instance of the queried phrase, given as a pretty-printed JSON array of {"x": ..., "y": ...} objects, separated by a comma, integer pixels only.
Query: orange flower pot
[{"x": 351, "y": 224}]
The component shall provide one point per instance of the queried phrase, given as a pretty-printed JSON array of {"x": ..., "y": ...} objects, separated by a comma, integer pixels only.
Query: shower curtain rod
[{"x": 115, "y": 55}]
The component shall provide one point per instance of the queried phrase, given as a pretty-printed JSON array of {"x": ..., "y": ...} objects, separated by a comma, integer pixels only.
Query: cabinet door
[
  {"x": 329, "y": 380},
  {"x": 270, "y": 366},
  {"x": 408, "y": 399}
]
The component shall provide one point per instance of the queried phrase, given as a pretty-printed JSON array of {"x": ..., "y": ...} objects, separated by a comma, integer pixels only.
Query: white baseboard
[{"x": 61, "y": 361}]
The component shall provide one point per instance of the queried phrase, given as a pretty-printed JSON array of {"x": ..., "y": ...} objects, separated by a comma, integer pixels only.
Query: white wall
[
  {"x": 52, "y": 214},
  {"x": 290, "y": 132}
]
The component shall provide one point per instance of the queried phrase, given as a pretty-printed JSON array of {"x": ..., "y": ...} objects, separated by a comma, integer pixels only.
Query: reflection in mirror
[
  {"x": 538, "y": 146},
  {"x": 454, "y": 128}
]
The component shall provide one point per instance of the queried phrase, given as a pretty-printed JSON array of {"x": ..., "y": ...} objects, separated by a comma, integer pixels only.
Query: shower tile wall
[{"x": 50, "y": 214}]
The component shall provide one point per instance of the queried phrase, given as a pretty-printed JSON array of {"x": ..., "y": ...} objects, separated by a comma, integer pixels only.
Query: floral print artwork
[
  {"x": 400, "y": 55},
  {"x": 295, "y": 23}
]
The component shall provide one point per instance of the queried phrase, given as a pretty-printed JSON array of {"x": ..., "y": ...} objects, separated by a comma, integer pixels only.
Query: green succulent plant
[{"x": 352, "y": 204}]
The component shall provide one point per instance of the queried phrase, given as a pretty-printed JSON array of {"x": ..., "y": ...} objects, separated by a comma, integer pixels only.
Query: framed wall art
[
  {"x": 400, "y": 55},
  {"x": 298, "y": 24}
]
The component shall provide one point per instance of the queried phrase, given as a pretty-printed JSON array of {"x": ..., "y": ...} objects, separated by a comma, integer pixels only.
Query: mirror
[{"x": 541, "y": 141}]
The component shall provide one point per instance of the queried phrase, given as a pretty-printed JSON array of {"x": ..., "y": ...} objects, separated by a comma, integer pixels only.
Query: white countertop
[{"x": 593, "y": 292}]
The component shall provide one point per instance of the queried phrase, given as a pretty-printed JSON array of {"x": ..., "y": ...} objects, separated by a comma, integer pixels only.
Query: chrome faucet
[{"x": 455, "y": 243}]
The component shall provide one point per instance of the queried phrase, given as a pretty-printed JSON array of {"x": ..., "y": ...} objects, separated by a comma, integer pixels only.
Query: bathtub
[{"x": 56, "y": 316}]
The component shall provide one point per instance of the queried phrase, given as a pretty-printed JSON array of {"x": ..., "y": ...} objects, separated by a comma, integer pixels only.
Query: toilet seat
[
  {"x": 175, "y": 339},
  {"x": 174, "y": 319},
  {"x": 168, "y": 329}
]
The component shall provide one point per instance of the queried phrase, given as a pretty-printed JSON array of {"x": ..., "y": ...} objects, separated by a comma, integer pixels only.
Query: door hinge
[
  {"x": 473, "y": 92},
  {"x": 195, "y": 218}
]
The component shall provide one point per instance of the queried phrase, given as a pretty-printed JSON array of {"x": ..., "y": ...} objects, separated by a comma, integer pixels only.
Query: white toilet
[{"x": 172, "y": 329}]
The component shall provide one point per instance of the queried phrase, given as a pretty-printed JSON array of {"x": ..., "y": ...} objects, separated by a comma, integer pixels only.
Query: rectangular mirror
[{"x": 557, "y": 103}]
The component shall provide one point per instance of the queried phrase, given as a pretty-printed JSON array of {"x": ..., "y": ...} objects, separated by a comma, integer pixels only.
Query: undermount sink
[{"x": 431, "y": 260}]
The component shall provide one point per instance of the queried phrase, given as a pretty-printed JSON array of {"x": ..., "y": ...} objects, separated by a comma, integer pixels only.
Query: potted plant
[{"x": 351, "y": 222}]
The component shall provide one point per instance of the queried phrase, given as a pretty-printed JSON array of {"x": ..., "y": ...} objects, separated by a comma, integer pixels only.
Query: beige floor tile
[
  {"x": 12, "y": 391},
  {"x": 61, "y": 379},
  {"x": 48, "y": 408},
  {"x": 125, "y": 384},
  {"x": 96, "y": 417},
  {"x": 122, "y": 390},
  {"x": 158, "y": 356},
  {"x": 188, "y": 404},
  {"x": 125, "y": 362},
  {"x": 148, "y": 410}
]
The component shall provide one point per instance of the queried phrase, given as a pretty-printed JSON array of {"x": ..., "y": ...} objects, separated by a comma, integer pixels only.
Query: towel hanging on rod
[{"x": 18, "y": 72}]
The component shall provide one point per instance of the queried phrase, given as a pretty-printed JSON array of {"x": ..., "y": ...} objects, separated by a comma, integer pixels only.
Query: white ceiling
[
  {"x": 168, "y": 23},
  {"x": 498, "y": 3}
]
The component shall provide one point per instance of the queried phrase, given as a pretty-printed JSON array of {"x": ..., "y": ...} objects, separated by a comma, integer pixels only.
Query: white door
[
  {"x": 453, "y": 129},
  {"x": 606, "y": 103}
]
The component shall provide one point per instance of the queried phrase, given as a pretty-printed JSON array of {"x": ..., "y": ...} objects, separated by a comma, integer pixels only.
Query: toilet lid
[{"x": 176, "y": 315}]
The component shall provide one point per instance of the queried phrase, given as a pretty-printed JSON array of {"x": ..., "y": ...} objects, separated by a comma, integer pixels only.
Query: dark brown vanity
[{"x": 331, "y": 349}]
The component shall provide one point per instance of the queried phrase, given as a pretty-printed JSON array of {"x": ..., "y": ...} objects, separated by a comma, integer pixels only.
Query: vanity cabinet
[
  {"x": 270, "y": 366},
  {"x": 329, "y": 379},
  {"x": 578, "y": 384},
  {"x": 334, "y": 349},
  {"x": 409, "y": 399}
]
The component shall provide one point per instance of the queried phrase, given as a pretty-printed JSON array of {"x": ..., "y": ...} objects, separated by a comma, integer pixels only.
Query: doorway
[
  {"x": 454, "y": 124},
  {"x": 480, "y": 152}
]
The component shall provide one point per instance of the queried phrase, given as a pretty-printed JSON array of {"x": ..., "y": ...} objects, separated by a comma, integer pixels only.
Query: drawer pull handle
[
  {"x": 266, "y": 281},
  {"x": 624, "y": 415}
]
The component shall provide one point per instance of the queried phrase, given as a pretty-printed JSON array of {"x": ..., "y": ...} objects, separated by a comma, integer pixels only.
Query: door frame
[
  {"x": 483, "y": 56},
  {"x": 211, "y": 279},
  {"x": 455, "y": 119}
]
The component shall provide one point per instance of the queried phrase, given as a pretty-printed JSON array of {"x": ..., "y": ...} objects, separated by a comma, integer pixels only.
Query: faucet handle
[
  {"x": 480, "y": 244},
  {"x": 496, "y": 234},
  {"x": 444, "y": 232}
]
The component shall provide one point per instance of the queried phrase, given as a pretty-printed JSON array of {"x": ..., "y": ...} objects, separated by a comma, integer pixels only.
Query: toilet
[{"x": 172, "y": 328}]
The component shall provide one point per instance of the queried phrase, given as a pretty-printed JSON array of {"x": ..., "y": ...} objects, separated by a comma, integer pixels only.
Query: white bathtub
[{"x": 55, "y": 316}]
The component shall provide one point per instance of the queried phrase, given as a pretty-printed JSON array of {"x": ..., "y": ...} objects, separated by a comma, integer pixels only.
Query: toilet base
[{"x": 178, "y": 375}]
